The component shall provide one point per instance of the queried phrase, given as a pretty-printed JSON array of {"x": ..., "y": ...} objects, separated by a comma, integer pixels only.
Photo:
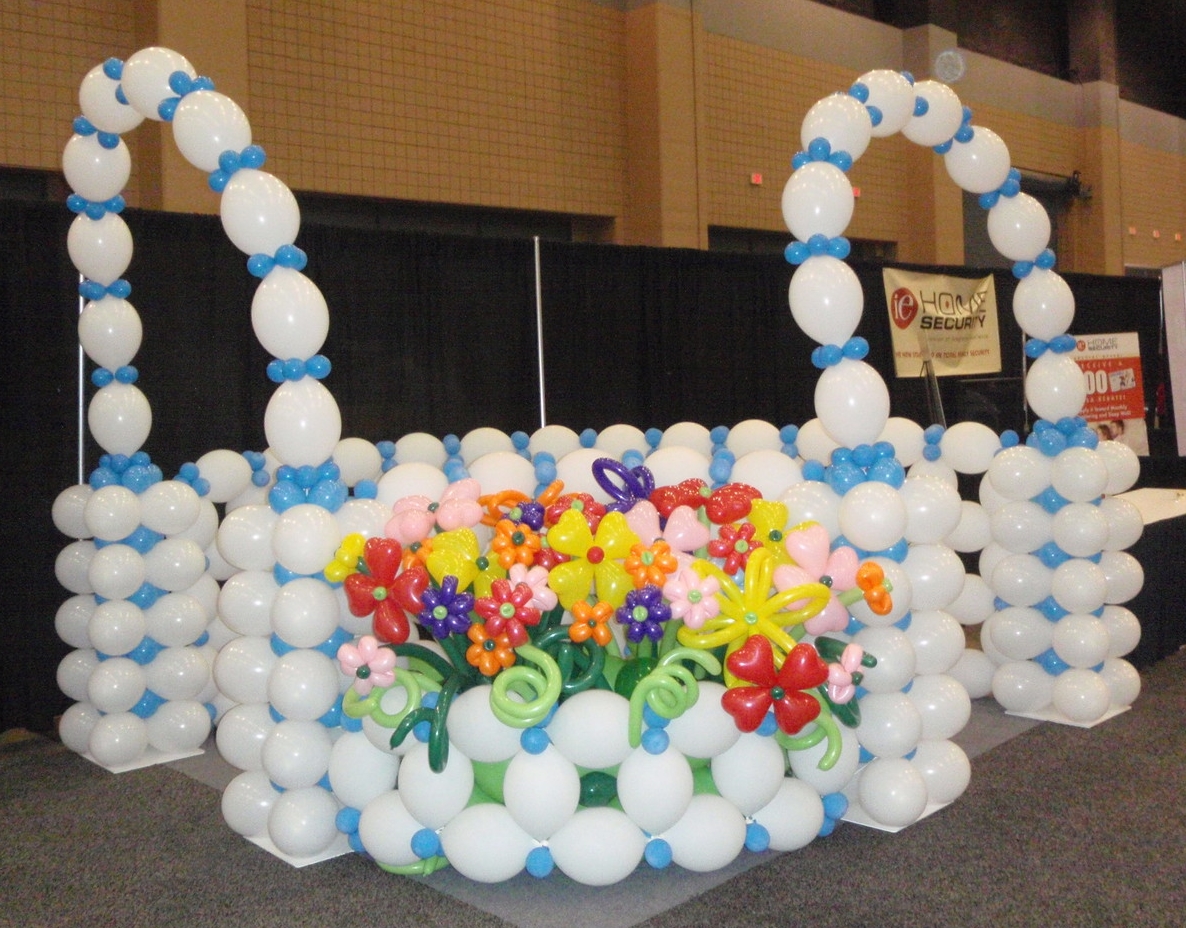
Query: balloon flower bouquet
[{"x": 616, "y": 648}]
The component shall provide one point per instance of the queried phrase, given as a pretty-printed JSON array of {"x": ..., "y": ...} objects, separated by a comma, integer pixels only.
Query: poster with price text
[{"x": 1115, "y": 405}]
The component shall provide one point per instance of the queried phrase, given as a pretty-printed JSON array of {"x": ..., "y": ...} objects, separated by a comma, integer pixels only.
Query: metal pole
[
  {"x": 81, "y": 399},
  {"x": 539, "y": 336}
]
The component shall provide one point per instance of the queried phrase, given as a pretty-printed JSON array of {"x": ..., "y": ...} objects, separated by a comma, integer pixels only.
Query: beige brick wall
[{"x": 1152, "y": 183}]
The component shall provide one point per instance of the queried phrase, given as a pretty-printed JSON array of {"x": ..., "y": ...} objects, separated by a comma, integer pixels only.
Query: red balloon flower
[
  {"x": 378, "y": 588},
  {"x": 780, "y": 688}
]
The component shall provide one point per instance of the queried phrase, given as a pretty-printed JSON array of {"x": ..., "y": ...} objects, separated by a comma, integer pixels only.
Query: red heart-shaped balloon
[
  {"x": 754, "y": 662},
  {"x": 747, "y": 704},
  {"x": 803, "y": 669}
]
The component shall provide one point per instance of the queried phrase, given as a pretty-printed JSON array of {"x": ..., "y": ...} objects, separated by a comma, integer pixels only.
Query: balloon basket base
[
  {"x": 150, "y": 758},
  {"x": 339, "y": 847},
  {"x": 856, "y": 815},
  {"x": 1050, "y": 714}
]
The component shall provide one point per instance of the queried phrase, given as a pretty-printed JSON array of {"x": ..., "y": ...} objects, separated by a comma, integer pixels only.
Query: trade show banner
[
  {"x": 1115, "y": 405},
  {"x": 949, "y": 321}
]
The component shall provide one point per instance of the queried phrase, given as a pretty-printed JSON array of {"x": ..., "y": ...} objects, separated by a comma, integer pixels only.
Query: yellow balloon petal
[
  {"x": 571, "y": 535},
  {"x": 454, "y": 553},
  {"x": 614, "y": 536},
  {"x": 571, "y": 580},
  {"x": 613, "y": 582}
]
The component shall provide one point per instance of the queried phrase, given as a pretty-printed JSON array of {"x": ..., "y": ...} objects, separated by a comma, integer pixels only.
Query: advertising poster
[
  {"x": 1115, "y": 405},
  {"x": 949, "y": 321}
]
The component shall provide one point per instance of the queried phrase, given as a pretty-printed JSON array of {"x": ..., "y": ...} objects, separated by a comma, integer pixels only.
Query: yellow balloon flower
[
  {"x": 596, "y": 560},
  {"x": 769, "y": 518},
  {"x": 456, "y": 553},
  {"x": 346, "y": 559}
]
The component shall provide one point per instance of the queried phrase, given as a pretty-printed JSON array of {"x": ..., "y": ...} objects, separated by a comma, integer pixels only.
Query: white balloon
[
  {"x": 109, "y": 330},
  {"x": 1124, "y": 576},
  {"x": 504, "y": 470},
  {"x": 1080, "y": 640},
  {"x": 817, "y": 200},
  {"x": 69, "y": 511},
  {"x": 207, "y": 123},
  {"x": 115, "y": 627},
  {"x": 422, "y": 448},
  {"x": 1020, "y": 472},
  {"x": 750, "y": 772},
  {"x": 705, "y": 729},
  {"x": 1080, "y": 529},
  {"x": 116, "y": 685},
  {"x": 72, "y": 619},
  {"x": 902, "y": 596},
  {"x": 933, "y": 509},
  {"x": 360, "y": 772},
  {"x": 247, "y": 802},
  {"x": 941, "y": 121},
  {"x": 1043, "y": 304},
  {"x": 112, "y": 513},
  {"x": 434, "y": 798},
  {"x": 302, "y": 422},
  {"x": 242, "y": 667},
  {"x": 259, "y": 212},
  {"x": 1022, "y": 686},
  {"x": 386, "y": 829},
  {"x": 483, "y": 843},
  {"x": 541, "y": 791},
  {"x": 826, "y": 299},
  {"x": 813, "y": 501},
  {"x": 1125, "y": 525},
  {"x": 1081, "y": 695},
  {"x": 74, "y": 672},
  {"x": 303, "y": 684},
  {"x": 474, "y": 728},
  {"x": 872, "y": 516},
  {"x": 1054, "y": 386},
  {"x": 1079, "y": 586},
  {"x": 793, "y": 817},
  {"x": 76, "y": 725},
  {"x": 413, "y": 478},
  {"x": 1124, "y": 630},
  {"x": 556, "y": 440},
  {"x": 303, "y": 821},
  {"x": 769, "y": 471},
  {"x": 241, "y": 734},
  {"x": 305, "y": 538},
  {"x": 178, "y": 674},
  {"x": 1021, "y": 526},
  {"x": 617, "y": 439},
  {"x": 895, "y": 655},
  {"x": 937, "y": 469},
  {"x": 119, "y": 418},
  {"x": 893, "y": 96},
  {"x": 840, "y": 119},
  {"x": 101, "y": 248},
  {"x": 1123, "y": 681},
  {"x": 969, "y": 447},
  {"x": 296, "y": 753},
  {"x": 484, "y": 440},
  {"x": 598, "y": 847},
  {"x": 365, "y": 517},
  {"x": 973, "y": 531},
  {"x": 1123, "y": 466},
  {"x": 304, "y": 612},
  {"x": 227, "y": 472},
  {"x": 709, "y": 836},
  {"x": 655, "y": 789},
  {"x": 245, "y": 537},
  {"x": 289, "y": 314},
  {"x": 907, "y": 438},
  {"x": 691, "y": 435},
  {"x": 974, "y": 671},
  {"x": 936, "y": 576},
  {"x": 98, "y": 102},
  {"x": 890, "y": 724},
  {"x": 938, "y": 640},
  {"x": 805, "y": 764},
  {"x": 118, "y": 738},
  {"x": 1079, "y": 474},
  {"x": 893, "y": 791},
  {"x": 145, "y": 78},
  {"x": 670, "y": 466},
  {"x": 975, "y": 603},
  {"x": 179, "y": 726},
  {"x": 169, "y": 507},
  {"x": 357, "y": 458},
  {"x": 1019, "y": 227},
  {"x": 980, "y": 164},
  {"x": 943, "y": 705},
  {"x": 852, "y": 402},
  {"x": 94, "y": 172},
  {"x": 116, "y": 572},
  {"x": 945, "y": 768},
  {"x": 245, "y": 602},
  {"x": 1020, "y": 633},
  {"x": 174, "y": 564},
  {"x": 590, "y": 729},
  {"x": 72, "y": 566},
  {"x": 1021, "y": 579}
]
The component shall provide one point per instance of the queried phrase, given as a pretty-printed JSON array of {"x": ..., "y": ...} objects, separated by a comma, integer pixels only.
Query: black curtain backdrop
[{"x": 427, "y": 333}]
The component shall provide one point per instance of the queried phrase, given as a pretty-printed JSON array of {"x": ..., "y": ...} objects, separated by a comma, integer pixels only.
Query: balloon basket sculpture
[{"x": 579, "y": 652}]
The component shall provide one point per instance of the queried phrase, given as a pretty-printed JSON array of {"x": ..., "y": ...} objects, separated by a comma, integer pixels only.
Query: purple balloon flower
[
  {"x": 644, "y": 611},
  {"x": 446, "y": 612}
]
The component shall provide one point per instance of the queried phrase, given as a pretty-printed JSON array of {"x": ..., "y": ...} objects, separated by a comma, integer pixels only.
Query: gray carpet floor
[{"x": 1061, "y": 826}]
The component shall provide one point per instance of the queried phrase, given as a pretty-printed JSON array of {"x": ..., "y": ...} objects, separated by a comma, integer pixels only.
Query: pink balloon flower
[
  {"x": 692, "y": 598},
  {"x": 841, "y": 687},
  {"x": 370, "y": 664},
  {"x": 413, "y": 518},
  {"x": 809, "y": 548}
]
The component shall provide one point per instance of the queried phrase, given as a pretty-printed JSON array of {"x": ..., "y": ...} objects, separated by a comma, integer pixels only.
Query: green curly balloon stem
[
  {"x": 670, "y": 689},
  {"x": 413, "y": 683},
  {"x": 420, "y": 868},
  {"x": 540, "y": 689}
]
